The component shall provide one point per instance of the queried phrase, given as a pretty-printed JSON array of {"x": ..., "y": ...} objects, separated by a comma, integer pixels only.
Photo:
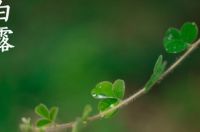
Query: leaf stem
[{"x": 134, "y": 96}]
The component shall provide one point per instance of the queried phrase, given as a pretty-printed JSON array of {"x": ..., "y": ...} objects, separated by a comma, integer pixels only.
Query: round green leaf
[
  {"x": 42, "y": 111},
  {"x": 43, "y": 122},
  {"x": 175, "y": 46},
  {"x": 171, "y": 34},
  {"x": 119, "y": 88},
  {"x": 107, "y": 104},
  {"x": 103, "y": 90},
  {"x": 189, "y": 32}
]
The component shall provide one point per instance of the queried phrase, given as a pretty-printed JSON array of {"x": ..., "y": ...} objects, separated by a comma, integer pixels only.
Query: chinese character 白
[
  {"x": 4, "y": 45},
  {"x": 4, "y": 12}
]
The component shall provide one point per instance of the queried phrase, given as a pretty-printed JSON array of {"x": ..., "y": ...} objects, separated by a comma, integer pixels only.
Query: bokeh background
[{"x": 65, "y": 47}]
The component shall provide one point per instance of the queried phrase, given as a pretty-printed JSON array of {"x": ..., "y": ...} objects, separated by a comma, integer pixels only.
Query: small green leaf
[
  {"x": 43, "y": 122},
  {"x": 175, "y": 46},
  {"x": 171, "y": 34},
  {"x": 189, "y": 32},
  {"x": 107, "y": 104},
  {"x": 119, "y": 88},
  {"x": 42, "y": 111},
  {"x": 78, "y": 125},
  {"x": 158, "y": 63},
  {"x": 157, "y": 72},
  {"x": 103, "y": 90},
  {"x": 86, "y": 112},
  {"x": 53, "y": 113},
  {"x": 80, "y": 122}
]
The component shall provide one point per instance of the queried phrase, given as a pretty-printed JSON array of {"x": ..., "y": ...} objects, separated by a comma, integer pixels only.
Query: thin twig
[{"x": 135, "y": 95}]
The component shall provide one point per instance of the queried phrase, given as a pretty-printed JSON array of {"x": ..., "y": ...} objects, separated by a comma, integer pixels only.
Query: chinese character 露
[
  {"x": 4, "y": 12},
  {"x": 4, "y": 45}
]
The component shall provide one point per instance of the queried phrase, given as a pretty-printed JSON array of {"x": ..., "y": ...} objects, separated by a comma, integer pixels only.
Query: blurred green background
[{"x": 65, "y": 47}]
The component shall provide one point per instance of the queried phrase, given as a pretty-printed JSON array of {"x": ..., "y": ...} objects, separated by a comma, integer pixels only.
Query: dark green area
[{"x": 63, "y": 48}]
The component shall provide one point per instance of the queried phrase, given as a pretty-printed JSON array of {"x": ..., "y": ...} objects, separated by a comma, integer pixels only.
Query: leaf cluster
[
  {"x": 176, "y": 41},
  {"x": 47, "y": 116},
  {"x": 109, "y": 95}
]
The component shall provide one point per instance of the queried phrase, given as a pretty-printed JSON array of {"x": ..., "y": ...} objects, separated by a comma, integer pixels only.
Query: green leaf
[
  {"x": 119, "y": 88},
  {"x": 80, "y": 122},
  {"x": 78, "y": 125},
  {"x": 103, "y": 90},
  {"x": 157, "y": 72},
  {"x": 175, "y": 46},
  {"x": 158, "y": 63},
  {"x": 173, "y": 42},
  {"x": 171, "y": 34},
  {"x": 189, "y": 32},
  {"x": 42, "y": 111},
  {"x": 86, "y": 112},
  {"x": 53, "y": 113},
  {"x": 176, "y": 41},
  {"x": 106, "y": 105},
  {"x": 110, "y": 95},
  {"x": 43, "y": 122}
]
